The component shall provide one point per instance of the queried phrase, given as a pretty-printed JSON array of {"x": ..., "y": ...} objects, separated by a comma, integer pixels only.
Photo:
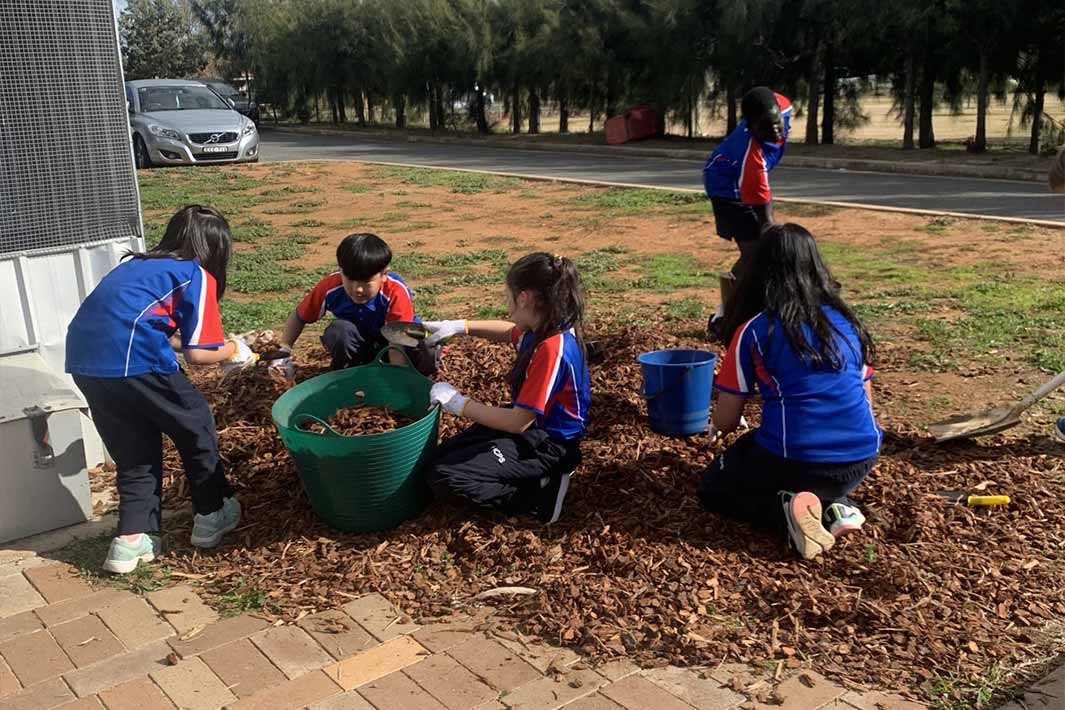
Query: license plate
[{"x": 215, "y": 148}]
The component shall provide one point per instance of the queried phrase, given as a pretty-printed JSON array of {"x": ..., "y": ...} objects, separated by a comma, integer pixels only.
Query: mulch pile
[
  {"x": 635, "y": 568},
  {"x": 360, "y": 421}
]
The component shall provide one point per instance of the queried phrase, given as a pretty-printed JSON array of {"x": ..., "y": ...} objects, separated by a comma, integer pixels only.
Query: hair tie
[{"x": 557, "y": 260}]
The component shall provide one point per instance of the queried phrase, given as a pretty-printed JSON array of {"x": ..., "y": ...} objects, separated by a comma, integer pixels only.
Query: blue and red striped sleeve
[
  {"x": 541, "y": 375},
  {"x": 867, "y": 372},
  {"x": 754, "y": 178},
  {"x": 312, "y": 307},
  {"x": 738, "y": 369},
  {"x": 400, "y": 304},
  {"x": 196, "y": 313}
]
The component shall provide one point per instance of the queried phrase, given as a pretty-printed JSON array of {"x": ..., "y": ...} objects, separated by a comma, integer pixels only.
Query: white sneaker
[
  {"x": 207, "y": 530},
  {"x": 803, "y": 513}
]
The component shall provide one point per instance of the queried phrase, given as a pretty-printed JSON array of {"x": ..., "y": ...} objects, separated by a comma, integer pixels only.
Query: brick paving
[{"x": 65, "y": 645}]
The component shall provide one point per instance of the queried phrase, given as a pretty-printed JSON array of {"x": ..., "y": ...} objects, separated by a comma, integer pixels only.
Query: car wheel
[{"x": 141, "y": 156}]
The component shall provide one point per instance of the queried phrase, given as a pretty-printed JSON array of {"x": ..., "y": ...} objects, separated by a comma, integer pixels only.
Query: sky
[{"x": 120, "y": 5}]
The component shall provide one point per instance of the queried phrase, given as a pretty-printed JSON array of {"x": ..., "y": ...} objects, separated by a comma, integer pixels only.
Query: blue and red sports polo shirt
[
  {"x": 393, "y": 302},
  {"x": 557, "y": 384},
  {"x": 738, "y": 169},
  {"x": 816, "y": 415},
  {"x": 123, "y": 328}
]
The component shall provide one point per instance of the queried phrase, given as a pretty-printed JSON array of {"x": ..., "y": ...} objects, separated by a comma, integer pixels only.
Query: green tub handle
[
  {"x": 380, "y": 359},
  {"x": 297, "y": 419}
]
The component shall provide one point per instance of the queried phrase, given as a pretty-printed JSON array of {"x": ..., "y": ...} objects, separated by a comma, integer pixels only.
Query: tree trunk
[
  {"x": 317, "y": 112},
  {"x": 360, "y": 108},
  {"x": 399, "y": 104},
  {"x": 1037, "y": 117},
  {"x": 534, "y": 110},
  {"x": 369, "y": 109},
  {"x": 611, "y": 95},
  {"x": 813, "y": 98},
  {"x": 333, "y": 106},
  {"x": 926, "y": 137},
  {"x": 481, "y": 117},
  {"x": 441, "y": 114},
  {"x": 563, "y": 113},
  {"x": 340, "y": 105},
  {"x": 828, "y": 115},
  {"x": 730, "y": 99},
  {"x": 434, "y": 120},
  {"x": 689, "y": 113},
  {"x": 981, "y": 103},
  {"x": 515, "y": 109},
  {"x": 908, "y": 102}
]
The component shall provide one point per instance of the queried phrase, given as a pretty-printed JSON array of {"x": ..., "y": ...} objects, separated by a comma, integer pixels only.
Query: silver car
[{"x": 177, "y": 122}]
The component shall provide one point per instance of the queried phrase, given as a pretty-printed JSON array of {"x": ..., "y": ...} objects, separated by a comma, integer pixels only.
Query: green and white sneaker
[
  {"x": 843, "y": 519},
  {"x": 207, "y": 530},
  {"x": 123, "y": 557}
]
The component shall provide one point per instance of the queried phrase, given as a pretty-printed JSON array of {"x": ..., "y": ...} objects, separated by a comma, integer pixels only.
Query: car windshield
[
  {"x": 225, "y": 90},
  {"x": 178, "y": 98}
]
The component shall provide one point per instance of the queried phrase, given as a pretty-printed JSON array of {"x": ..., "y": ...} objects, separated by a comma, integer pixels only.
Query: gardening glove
[
  {"x": 243, "y": 357},
  {"x": 448, "y": 398},
  {"x": 284, "y": 365},
  {"x": 712, "y": 434},
  {"x": 443, "y": 329}
]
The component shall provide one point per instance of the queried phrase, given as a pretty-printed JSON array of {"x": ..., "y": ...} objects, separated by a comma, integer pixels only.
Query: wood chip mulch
[{"x": 635, "y": 568}]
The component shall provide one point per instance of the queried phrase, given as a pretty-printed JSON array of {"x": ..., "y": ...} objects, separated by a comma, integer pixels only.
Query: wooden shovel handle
[{"x": 1043, "y": 391}]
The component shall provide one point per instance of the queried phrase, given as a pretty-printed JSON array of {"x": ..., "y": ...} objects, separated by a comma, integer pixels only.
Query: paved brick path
[{"x": 64, "y": 644}]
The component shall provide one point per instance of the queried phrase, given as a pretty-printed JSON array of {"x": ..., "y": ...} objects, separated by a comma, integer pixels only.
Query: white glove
[
  {"x": 448, "y": 398},
  {"x": 243, "y": 357},
  {"x": 444, "y": 329},
  {"x": 284, "y": 366}
]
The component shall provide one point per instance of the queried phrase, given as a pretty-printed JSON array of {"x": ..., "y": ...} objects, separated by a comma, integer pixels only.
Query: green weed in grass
[
  {"x": 240, "y": 316},
  {"x": 301, "y": 207},
  {"x": 356, "y": 188},
  {"x": 412, "y": 205},
  {"x": 552, "y": 239},
  {"x": 799, "y": 209},
  {"x": 288, "y": 190},
  {"x": 409, "y": 227},
  {"x": 937, "y": 225},
  {"x": 457, "y": 182},
  {"x": 631, "y": 201},
  {"x": 669, "y": 271},
  {"x": 309, "y": 223},
  {"x": 597, "y": 262},
  {"x": 242, "y": 599},
  {"x": 684, "y": 309},
  {"x": 490, "y": 312},
  {"x": 225, "y": 189},
  {"x": 252, "y": 229},
  {"x": 300, "y": 238}
]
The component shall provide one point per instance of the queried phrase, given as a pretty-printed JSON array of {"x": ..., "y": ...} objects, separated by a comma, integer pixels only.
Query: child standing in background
[
  {"x": 119, "y": 352},
  {"x": 362, "y": 295},
  {"x": 519, "y": 458},
  {"x": 736, "y": 179}
]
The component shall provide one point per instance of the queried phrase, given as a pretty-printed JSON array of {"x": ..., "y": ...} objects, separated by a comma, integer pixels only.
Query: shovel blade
[{"x": 970, "y": 425}]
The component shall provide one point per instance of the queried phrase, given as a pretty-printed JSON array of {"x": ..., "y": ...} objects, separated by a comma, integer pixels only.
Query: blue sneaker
[
  {"x": 1059, "y": 430},
  {"x": 123, "y": 557},
  {"x": 207, "y": 530},
  {"x": 843, "y": 519}
]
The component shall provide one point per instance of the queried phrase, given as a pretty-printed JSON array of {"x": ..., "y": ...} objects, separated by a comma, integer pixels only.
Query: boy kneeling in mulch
[{"x": 809, "y": 356}]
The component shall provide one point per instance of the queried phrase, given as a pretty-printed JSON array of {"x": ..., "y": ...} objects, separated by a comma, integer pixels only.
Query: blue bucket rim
[{"x": 709, "y": 359}]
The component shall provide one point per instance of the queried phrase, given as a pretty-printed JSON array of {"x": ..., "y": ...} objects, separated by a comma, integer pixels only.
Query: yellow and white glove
[
  {"x": 242, "y": 356},
  {"x": 440, "y": 330},
  {"x": 449, "y": 398}
]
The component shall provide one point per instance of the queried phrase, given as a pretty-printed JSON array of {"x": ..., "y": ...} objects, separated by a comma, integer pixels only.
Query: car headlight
[
  {"x": 249, "y": 128},
  {"x": 158, "y": 130}
]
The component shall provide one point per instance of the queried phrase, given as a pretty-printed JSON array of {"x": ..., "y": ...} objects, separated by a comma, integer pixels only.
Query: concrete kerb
[
  {"x": 639, "y": 186},
  {"x": 796, "y": 161}
]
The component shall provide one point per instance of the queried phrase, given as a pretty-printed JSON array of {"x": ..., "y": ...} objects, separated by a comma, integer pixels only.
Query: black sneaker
[
  {"x": 552, "y": 492},
  {"x": 715, "y": 329}
]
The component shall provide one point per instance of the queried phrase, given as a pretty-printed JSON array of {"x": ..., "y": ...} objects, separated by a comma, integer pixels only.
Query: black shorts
[{"x": 735, "y": 220}]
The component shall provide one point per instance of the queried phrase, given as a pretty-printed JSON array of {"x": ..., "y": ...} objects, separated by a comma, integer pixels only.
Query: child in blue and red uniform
[
  {"x": 120, "y": 351},
  {"x": 362, "y": 296},
  {"x": 736, "y": 179},
  {"x": 808, "y": 355},
  {"x": 519, "y": 459}
]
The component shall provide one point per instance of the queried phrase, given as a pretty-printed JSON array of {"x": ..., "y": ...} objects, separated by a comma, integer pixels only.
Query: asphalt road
[{"x": 998, "y": 198}]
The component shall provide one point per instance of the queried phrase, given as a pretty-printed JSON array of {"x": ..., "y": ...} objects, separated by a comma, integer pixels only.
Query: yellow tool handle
[{"x": 972, "y": 501}]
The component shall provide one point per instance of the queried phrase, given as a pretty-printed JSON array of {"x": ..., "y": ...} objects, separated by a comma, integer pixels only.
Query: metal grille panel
[
  {"x": 66, "y": 174},
  {"x": 227, "y": 137}
]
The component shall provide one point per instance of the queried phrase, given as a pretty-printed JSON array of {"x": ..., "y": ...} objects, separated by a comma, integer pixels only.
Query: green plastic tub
[{"x": 362, "y": 483}]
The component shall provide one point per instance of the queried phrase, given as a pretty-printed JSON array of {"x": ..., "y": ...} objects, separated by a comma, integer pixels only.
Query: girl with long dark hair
[
  {"x": 796, "y": 342},
  {"x": 519, "y": 458},
  {"x": 120, "y": 351}
]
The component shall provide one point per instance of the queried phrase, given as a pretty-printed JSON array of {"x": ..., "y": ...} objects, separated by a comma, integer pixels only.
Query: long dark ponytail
[
  {"x": 788, "y": 280},
  {"x": 196, "y": 232},
  {"x": 555, "y": 285}
]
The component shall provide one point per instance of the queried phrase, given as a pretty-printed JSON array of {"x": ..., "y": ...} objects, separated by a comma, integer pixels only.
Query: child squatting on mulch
[{"x": 793, "y": 340}]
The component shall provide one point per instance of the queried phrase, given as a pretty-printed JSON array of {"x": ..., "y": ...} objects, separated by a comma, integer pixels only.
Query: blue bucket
[{"x": 677, "y": 386}]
